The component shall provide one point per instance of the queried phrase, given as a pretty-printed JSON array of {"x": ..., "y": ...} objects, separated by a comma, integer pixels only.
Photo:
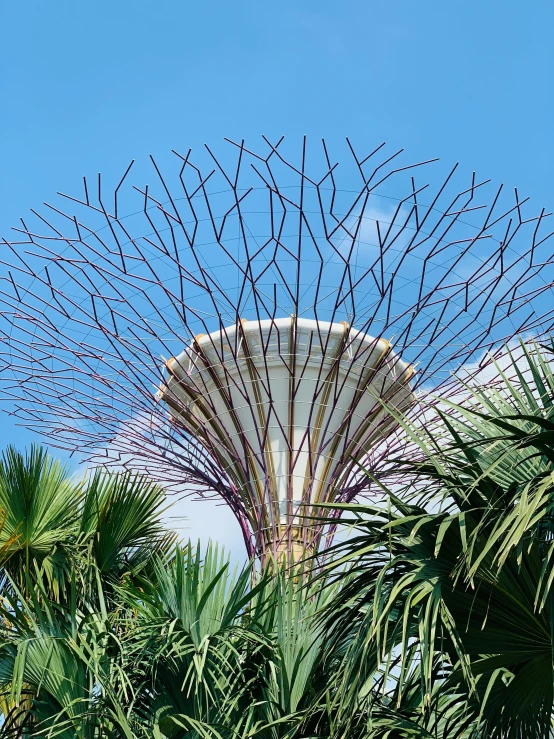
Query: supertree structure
[{"x": 252, "y": 325}]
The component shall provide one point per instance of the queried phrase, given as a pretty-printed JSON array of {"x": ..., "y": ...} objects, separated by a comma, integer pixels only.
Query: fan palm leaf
[
  {"x": 41, "y": 503},
  {"x": 465, "y": 587}
]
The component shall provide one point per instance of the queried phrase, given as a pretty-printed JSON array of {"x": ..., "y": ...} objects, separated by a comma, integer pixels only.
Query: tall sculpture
[{"x": 253, "y": 327}]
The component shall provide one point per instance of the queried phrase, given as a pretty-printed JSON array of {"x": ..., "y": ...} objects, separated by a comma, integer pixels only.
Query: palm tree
[
  {"x": 434, "y": 619},
  {"x": 67, "y": 546},
  {"x": 111, "y": 627},
  {"x": 214, "y": 653},
  {"x": 447, "y": 607},
  {"x": 40, "y": 504}
]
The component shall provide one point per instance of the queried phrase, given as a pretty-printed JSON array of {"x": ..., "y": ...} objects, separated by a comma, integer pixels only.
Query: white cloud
[
  {"x": 206, "y": 520},
  {"x": 135, "y": 447}
]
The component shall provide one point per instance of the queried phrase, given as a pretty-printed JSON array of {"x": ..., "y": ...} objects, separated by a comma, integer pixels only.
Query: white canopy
[{"x": 285, "y": 406}]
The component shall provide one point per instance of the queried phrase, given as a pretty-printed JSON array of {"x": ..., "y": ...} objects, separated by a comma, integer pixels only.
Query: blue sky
[{"x": 86, "y": 87}]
